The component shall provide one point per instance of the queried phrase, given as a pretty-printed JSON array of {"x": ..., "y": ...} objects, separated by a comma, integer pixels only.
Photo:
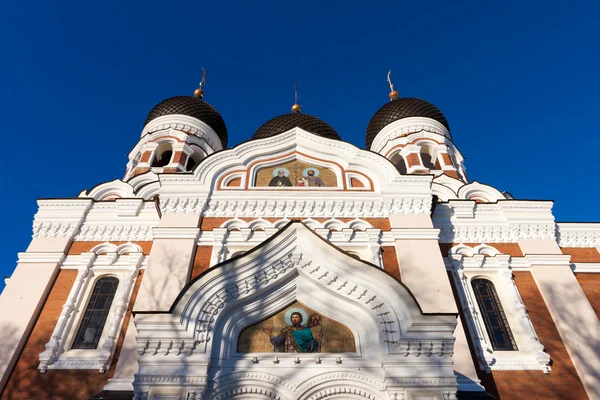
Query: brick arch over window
[
  {"x": 493, "y": 315},
  {"x": 96, "y": 313}
]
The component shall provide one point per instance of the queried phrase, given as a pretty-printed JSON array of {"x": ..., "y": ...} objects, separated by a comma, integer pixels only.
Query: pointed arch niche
[{"x": 196, "y": 341}]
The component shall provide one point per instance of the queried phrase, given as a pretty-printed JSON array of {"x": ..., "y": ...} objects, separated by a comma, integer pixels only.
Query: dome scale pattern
[
  {"x": 402, "y": 108},
  {"x": 193, "y": 107},
  {"x": 286, "y": 122}
]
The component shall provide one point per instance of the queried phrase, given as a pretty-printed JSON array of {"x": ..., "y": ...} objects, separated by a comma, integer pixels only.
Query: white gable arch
[{"x": 198, "y": 337}]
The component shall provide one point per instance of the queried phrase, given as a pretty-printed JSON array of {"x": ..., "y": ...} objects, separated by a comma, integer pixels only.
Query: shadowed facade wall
[{"x": 26, "y": 382}]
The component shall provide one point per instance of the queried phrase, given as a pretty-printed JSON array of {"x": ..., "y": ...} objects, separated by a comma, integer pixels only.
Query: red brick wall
[
  {"x": 590, "y": 284},
  {"x": 390, "y": 261},
  {"x": 26, "y": 382},
  {"x": 582, "y": 254},
  {"x": 201, "y": 261},
  {"x": 562, "y": 383},
  {"x": 82, "y": 247}
]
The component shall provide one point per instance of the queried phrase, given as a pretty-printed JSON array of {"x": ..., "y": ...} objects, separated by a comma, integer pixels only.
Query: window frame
[
  {"x": 84, "y": 310},
  {"x": 123, "y": 264},
  {"x": 485, "y": 315}
]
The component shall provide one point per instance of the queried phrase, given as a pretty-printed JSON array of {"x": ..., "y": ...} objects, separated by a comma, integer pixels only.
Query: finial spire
[
  {"x": 393, "y": 94},
  {"x": 296, "y": 107},
  {"x": 200, "y": 91}
]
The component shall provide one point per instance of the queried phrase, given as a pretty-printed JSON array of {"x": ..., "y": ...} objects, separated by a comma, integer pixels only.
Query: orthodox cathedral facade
[{"x": 297, "y": 266}]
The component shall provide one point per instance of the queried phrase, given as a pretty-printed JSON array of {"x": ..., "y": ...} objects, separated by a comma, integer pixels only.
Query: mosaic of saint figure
[
  {"x": 311, "y": 178},
  {"x": 297, "y": 336},
  {"x": 280, "y": 178}
]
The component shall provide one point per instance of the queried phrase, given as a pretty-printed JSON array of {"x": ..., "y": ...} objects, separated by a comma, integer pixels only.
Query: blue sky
[{"x": 518, "y": 82}]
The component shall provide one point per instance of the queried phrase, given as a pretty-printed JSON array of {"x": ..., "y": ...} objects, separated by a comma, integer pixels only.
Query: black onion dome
[
  {"x": 399, "y": 109},
  {"x": 286, "y": 122},
  {"x": 193, "y": 107}
]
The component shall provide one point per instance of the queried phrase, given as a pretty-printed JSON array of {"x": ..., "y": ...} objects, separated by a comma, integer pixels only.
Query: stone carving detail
[
  {"x": 581, "y": 237},
  {"x": 246, "y": 286},
  {"x": 317, "y": 208},
  {"x": 53, "y": 229},
  {"x": 182, "y": 205},
  {"x": 114, "y": 233},
  {"x": 495, "y": 234}
]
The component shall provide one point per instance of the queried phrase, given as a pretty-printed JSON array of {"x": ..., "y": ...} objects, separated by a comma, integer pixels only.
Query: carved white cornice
[
  {"x": 59, "y": 217},
  {"x": 571, "y": 234},
  {"x": 505, "y": 233},
  {"x": 41, "y": 257},
  {"x": 121, "y": 220},
  {"x": 317, "y": 208},
  {"x": 502, "y": 222},
  {"x": 182, "y": 205},
  {"x": 112, "y": 232}
]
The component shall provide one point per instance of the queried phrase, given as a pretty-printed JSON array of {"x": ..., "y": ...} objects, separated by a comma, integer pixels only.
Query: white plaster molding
[
  {"x": 317, "y": 208},
  {"x": 468, "y": 263},
  {"x": 58, "y": 218},
  {"x": 202, "y": 327},
  {"x": 54, "y": 258},
  {"x": 124, "y": 261},
  {"x": 115, "y": 187},
  {"x": 407, "y": 126},
  {"x": 504, "y": 222},
  {"x": 573, "y": 234},
  {"x": 585, "y": 267},
  {"x": 185, "y": 124},
  {"x": 127, "y": 220},
  {"x": 476, "y": 190},
  {"x": 182, "y": 205},
  {"x": 175, "y": 233}
]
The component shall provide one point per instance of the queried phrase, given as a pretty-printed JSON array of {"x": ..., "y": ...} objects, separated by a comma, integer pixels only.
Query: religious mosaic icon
[
  {"x": 296, "y": 174},
  {"x": 297, "y": 329}
]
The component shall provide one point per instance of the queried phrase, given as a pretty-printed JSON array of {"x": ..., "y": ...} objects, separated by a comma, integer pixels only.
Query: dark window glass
[
  {"x": 427, "y": 161},
  {"x": 191, "y": 163},
  {"x": 165, "y": 158},
  {"x": 96, "y": 313},
  {"x": 493, "y": 315},
  {"x": 401, "y": 166}
]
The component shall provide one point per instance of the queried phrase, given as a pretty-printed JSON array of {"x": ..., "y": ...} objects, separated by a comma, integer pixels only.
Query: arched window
[
  {"x": 96, "y": 312},
  {"x": 493, "y": 315},
  {"x": 399, "y": 163},
  {"x": 427, "y": 156},
  {"x": 162, "y": 155}
]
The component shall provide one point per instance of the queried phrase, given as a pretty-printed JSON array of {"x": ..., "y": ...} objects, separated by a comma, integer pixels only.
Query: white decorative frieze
[
  {"x": 59, "y": 218},
  {"x": 114, "y": 233},
  {"x": 53, "y": 229},
  {"x": 182, "y": 205},
  {"x": 495, "y": 233},
  {"x": 578, "y": 234},
  {"x": 317, "y": 208}
]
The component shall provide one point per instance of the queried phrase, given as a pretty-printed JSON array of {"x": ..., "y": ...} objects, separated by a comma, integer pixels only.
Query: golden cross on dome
[
  {"x": 393, "y": 94},
  {"x": 203, "y": 81},
  {"x": 200, "y": 92},
  {"x": 296, "y": 107}
]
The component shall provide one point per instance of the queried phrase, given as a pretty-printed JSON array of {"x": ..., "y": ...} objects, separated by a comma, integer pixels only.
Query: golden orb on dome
[
  {"x": 199, "y": 93},
  {"x": 296, "y": 108},
  {"x": 393, "y": 95}
]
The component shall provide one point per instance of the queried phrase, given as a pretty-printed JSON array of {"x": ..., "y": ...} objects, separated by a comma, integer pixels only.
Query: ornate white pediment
[{"x": 197, "y": 338}]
